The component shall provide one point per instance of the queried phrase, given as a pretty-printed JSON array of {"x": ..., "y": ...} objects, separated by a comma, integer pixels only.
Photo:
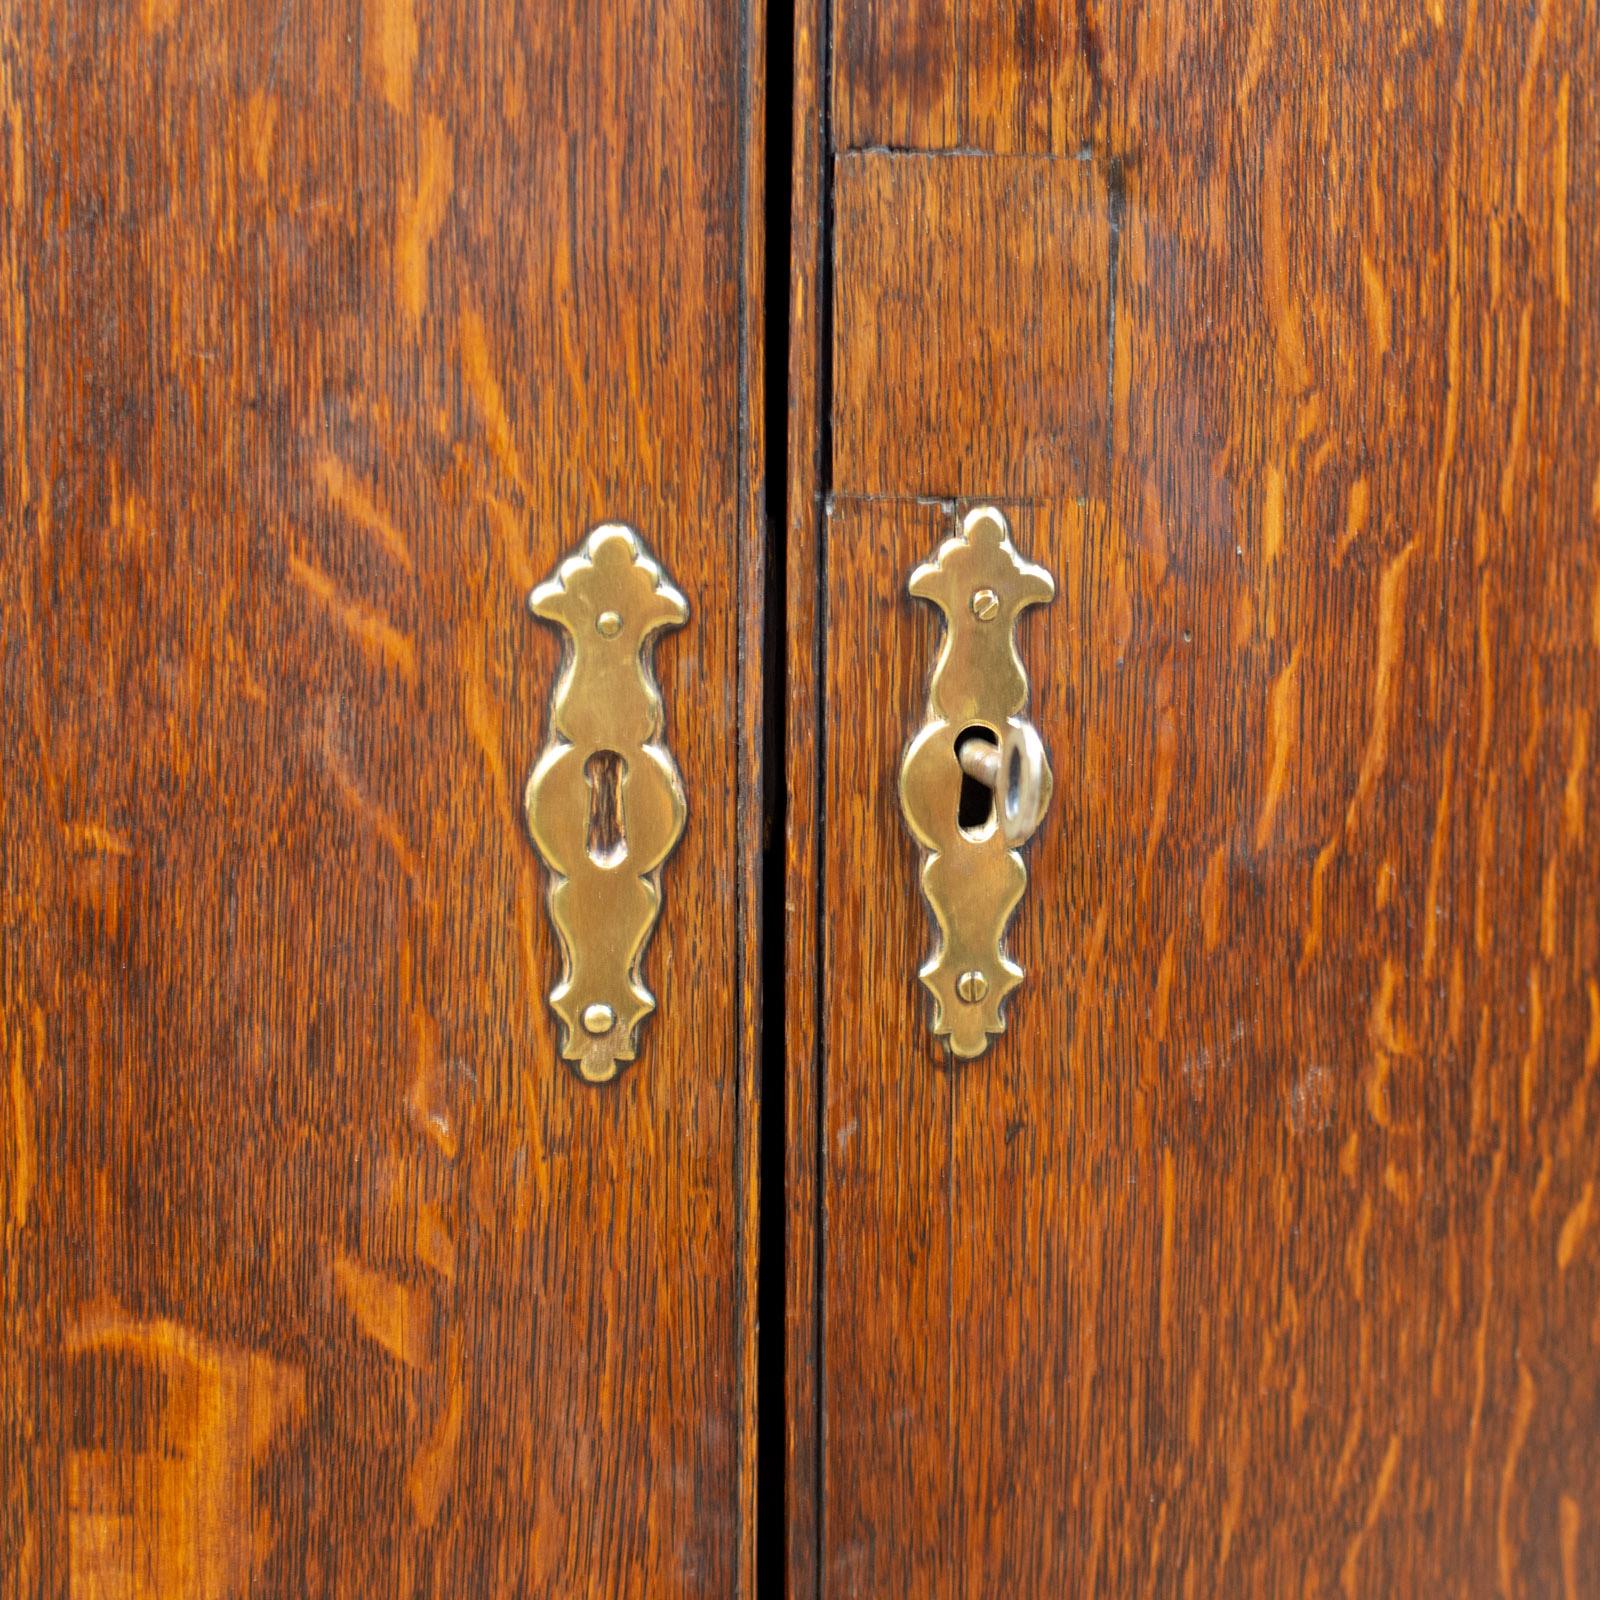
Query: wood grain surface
[
  {"x": 980, "y": 75},
  {"x": 972, "y": 332},
  {"x": 1262, "y": 1254},
  {"x": 327, "y": 331},
  {"x": 797, "y": 997}
]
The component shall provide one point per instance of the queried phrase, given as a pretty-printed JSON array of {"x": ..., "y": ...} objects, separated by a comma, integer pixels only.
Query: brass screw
[
  {"x": 985, "y": 605},
  {"x": 972, "y": 986},
  {"x": 608, "y": 624},
  {"x": 598, "y": 1018}
]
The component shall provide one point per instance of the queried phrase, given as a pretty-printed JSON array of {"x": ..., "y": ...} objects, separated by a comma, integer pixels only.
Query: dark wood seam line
[
  {"x": 824, "y": 401},
  {"x": 740, "y": 1109},
  {"x": 946, "y": 503},
  {"x": 1083, "y": 152},
  {"x": 771, "y": 1504}
]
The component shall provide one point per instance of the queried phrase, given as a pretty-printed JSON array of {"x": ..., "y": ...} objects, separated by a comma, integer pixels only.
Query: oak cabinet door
[
  {"x": 1258, "y": 1253},
  {"x": 329, "y": 332}
]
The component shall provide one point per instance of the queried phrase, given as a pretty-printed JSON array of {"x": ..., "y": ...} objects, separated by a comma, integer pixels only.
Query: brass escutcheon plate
[
  {"x": 605, "y": 802},
  {"x": 972, "y": 876}
]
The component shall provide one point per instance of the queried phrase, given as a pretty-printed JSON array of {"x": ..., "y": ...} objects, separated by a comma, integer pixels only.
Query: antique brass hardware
[
  {"x": 605, "y": 803},
  {"x": 1017, "y": 773},
  {"x": 975, "y": 729}
]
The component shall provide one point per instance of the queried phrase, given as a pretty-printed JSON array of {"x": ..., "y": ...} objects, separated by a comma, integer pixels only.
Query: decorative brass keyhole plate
[
  {"x": 975, "y": 734},
  {"x": 605, "y": 803}
]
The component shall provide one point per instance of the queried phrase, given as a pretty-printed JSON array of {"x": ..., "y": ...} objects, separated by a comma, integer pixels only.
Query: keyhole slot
[
  {"x": 975, "y": 805},
  {"x": 608, "y": 844}
]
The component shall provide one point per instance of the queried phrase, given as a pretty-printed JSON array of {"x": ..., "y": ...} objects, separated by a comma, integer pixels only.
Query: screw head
[
  {"x": 985, "y": 605},
  {"x": 972, "y": 986},
  {"x": 598, "y": 1018},
  {"x": 608, "y": 624}
]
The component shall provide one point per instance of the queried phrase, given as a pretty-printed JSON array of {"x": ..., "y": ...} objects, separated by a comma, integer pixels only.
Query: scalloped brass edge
[
  {"x": 612, "y": 598},
  {"x": 972, "y": 879}
]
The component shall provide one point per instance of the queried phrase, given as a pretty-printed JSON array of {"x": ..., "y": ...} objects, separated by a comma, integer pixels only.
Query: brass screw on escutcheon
[
  {"x": 985, "y": 605},
  {"x": 972, "y": 986}
]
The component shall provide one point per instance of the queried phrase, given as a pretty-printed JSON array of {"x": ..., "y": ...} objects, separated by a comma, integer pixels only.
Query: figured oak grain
[
  {"x": 886, "y": 1422},
  {"x": 971, "y": 330},
  {"x": 977, "y": 75},
  {"x": 1259, "y": 1256},
  {"x": 803, "y": 699},
  {"x": 327, "y": 332}
]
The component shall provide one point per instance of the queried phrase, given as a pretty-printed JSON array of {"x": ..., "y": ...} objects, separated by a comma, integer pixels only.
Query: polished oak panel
[
  {"x": 1260, "y": 1255},
  {"x": 971, "y": 326},
  {"x": 976, "y": 75},
  {"x": 887, "y": 1426},
  {"x": 327, "y": 332}
]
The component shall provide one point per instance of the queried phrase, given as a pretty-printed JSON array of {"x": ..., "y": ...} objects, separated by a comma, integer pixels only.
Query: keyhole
[
  {"x": 608, "y": 846},
  {"x": 975, "y": 807}
]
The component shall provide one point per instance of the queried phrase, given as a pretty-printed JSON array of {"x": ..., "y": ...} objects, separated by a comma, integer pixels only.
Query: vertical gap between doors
[
  {"x": 771, "y": 1297},
  {"x": 774, "y": 1575}
]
